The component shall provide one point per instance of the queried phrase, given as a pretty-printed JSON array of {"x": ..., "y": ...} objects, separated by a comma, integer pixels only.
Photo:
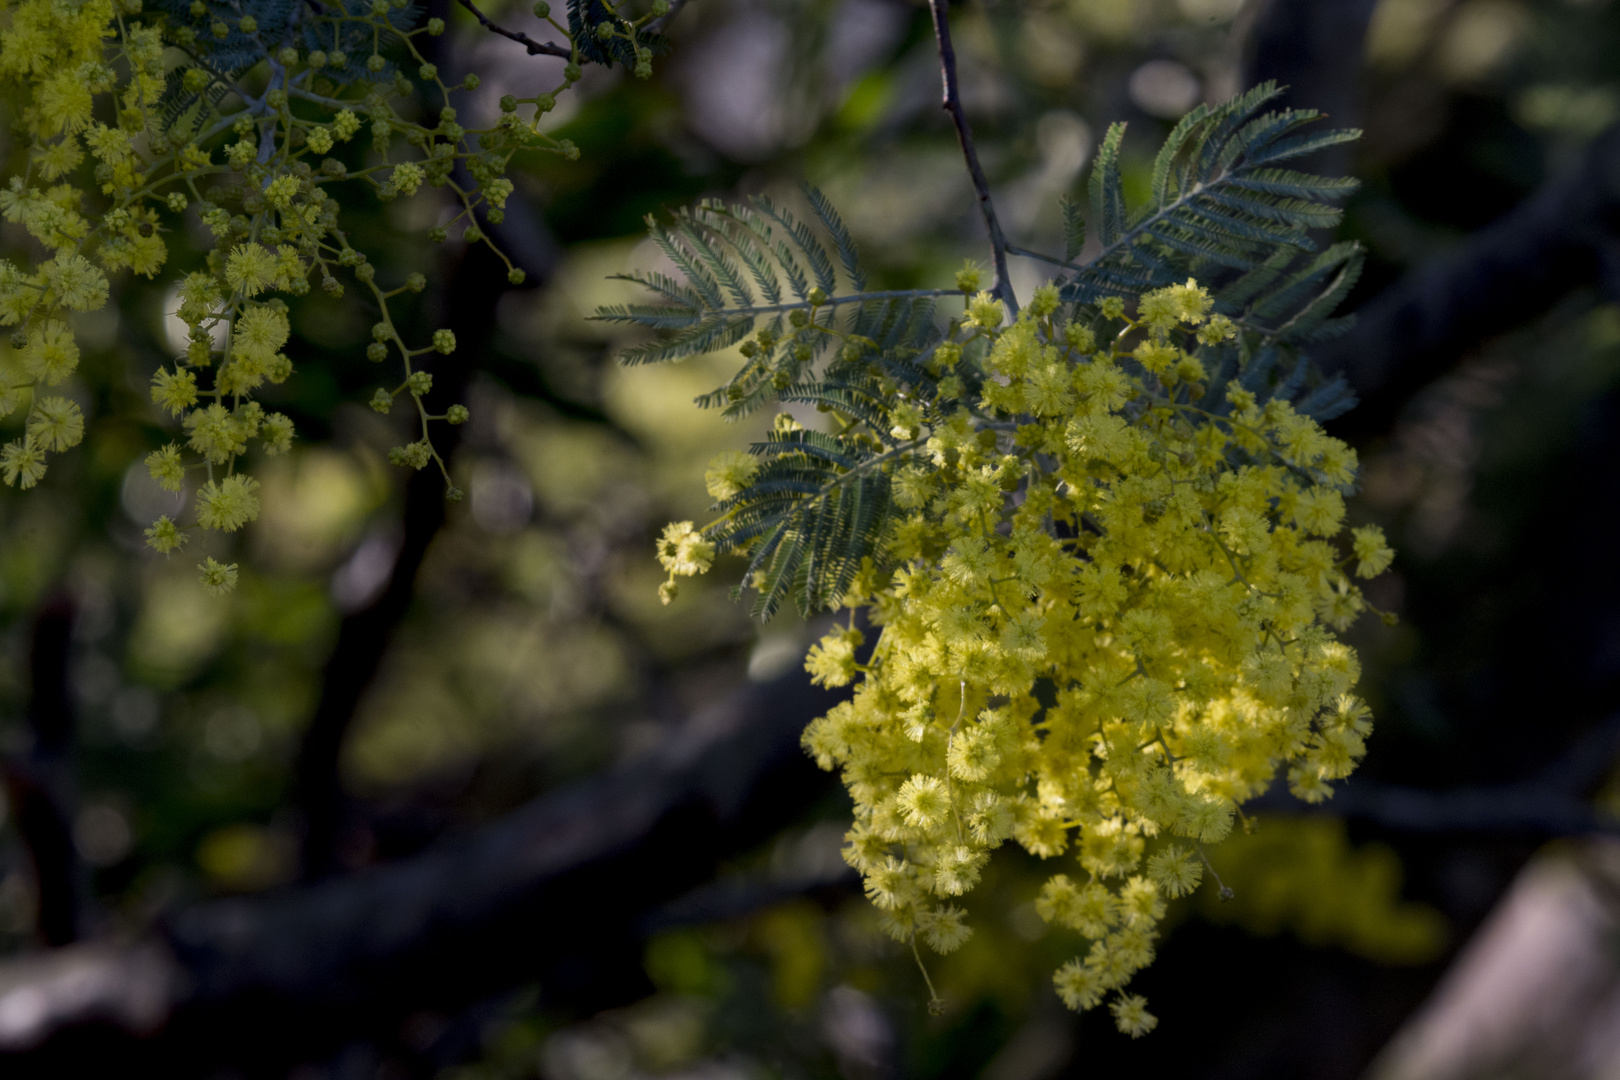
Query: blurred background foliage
[{"x": 535, "y": 651}]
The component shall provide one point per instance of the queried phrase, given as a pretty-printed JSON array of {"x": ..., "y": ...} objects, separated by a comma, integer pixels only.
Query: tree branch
[
  {"x": 1554, "y": 803},
  {"x": 536, "y": 48},
  {"x": 472, "y": 289},
  {"x": 39, "y": 780},
  {"x": 1562, "y": 238},
  {"x": 551, "y": 892},
  {"x": 952, "y": 104}
]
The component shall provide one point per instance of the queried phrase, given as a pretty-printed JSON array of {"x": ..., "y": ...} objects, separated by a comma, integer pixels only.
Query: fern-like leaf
[{"x": 1218, "y": 198}]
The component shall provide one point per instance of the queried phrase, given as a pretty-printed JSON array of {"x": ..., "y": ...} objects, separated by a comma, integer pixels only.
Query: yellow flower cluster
[
  {"x": 1112, "y": 624},
  {"x": 132, "y": 118}
]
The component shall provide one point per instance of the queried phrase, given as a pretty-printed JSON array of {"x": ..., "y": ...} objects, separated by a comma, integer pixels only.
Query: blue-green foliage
[
  {"x": 584, "y": 16},
  {"x": 332, "y": 26},
  {"x": 819, "y": 503},
  {"x": 1220, "y": 200}
]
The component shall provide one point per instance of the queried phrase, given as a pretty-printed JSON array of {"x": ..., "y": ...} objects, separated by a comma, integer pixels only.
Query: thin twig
[
  {"x": 536, "y": 48},
  {"x": 953, "y": 105},
  {"x": 1067, "y": 264}
]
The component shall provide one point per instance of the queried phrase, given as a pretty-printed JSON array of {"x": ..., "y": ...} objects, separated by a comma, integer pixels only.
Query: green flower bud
[
  {"x": 249, "y": 24},
  {"x": 428, "y": 71},
  {"x": 508, "y": 103},
  {"x": 382, "y": 401},
  {"x": 435, "y": 27},
  {"x": 541, "y": 9},
  {"x": 456, "y": 414},
  {"x": 376, "y": 351},
  {"x": 375, "y": 62},
  {"x": 516, "y": 275}
]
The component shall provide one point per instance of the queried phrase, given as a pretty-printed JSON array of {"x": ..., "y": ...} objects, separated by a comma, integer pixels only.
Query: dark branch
[
  {"x": 39, "y": 779},
  {"x": 1315, "y": 50},
  {"x": 1554, "y": 803},
  {"x": 536, "y": 48},
  {"x": 1508, "y": 808},
  {"x": 473, "y": 287},
  {"x": 1561, "y": 239},
  {"x": 964, "y": 134},
  {"x": 554, "y": 892}
]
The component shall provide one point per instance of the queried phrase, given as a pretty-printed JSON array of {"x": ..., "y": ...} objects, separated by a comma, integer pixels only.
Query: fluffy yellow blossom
[
  {"x": 228, "y": 504},
  {"x": 684, "y": 552},
  {"x": 1175, "y": 576},
  {"x": 728, "y": 473},
  {"x": 51, "y": 354},
  {"x": 55, "y": 424},
  {"x": 217, "y": 577}
]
